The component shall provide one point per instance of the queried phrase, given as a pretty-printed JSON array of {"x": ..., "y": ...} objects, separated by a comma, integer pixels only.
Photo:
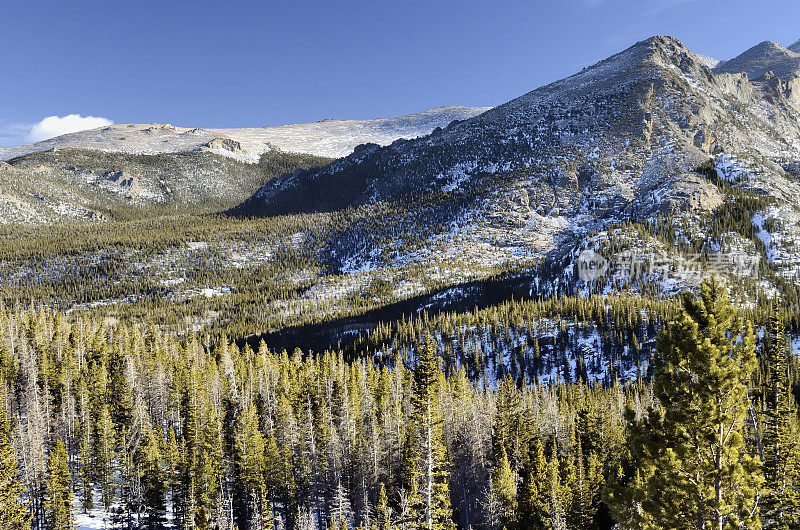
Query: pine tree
[
  {"x": 534, "y": 494},
  {"x": 384, "y": 511},
  {"x": 104, "y": 443},
  {"x": 174, "y": 464},
  {"x": 253, "y": 510},
  {"x": 210, "y": 464},
  {"x": 14, "y": 514},
  {"x": 119, "y": 391},
  {"x": 691, "y": 468},
  {"x": 555, "y": 517},
  {"x": 504, "y": 486},
  {"x": 85, "y": 474},
  {"x": 429, "y": 467},
  {"x": 152, "y": 479},
  {"x": 58, "y": 501},
  {"x": 186, "y": 501},
  {"x": 781, "y": 505}
]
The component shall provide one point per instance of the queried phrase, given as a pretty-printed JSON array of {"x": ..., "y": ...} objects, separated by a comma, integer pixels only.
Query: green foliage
[
  {"x": 59, "y": 490},
  {"x": 428, "y": 459},
  {"x": 692, "y": 467},
  {"x": 397, "y": 431},
  {"x": 781, "y": 454},
  {"x": 152, "y": 478},
  {"x": 14, "y": 513}
]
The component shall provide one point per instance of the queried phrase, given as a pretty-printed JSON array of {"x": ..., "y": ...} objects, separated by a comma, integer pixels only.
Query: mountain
[
  {"x": 795, "y": 47},
  {"x": 135, "y": 171},
  {"x": 69, "y": 184},
  {"x": 650, "y": 168},
  {"x": 326, "y": 138},
  {"x": 541, "y": 177},
  {"x": 763, "y": 58}
]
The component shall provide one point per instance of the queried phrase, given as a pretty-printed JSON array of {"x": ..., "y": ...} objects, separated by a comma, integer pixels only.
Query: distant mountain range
[
  {"x": 763, "y": 58},
  {"x": 559, "y": 169},
  {"x": 132, "y": 171},
  {"x": 326, "y": 138},
  {"x": 655, "y": 150}
]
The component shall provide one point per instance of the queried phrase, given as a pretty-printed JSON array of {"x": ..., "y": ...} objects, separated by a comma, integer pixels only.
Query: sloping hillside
[
  {"x": 619, "y": 142},
  {"x": 326, "y": 138},
  {"x": 89, "y": 185}
]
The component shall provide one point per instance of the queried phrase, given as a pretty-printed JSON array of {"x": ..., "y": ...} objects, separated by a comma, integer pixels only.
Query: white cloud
[{"x": 57, "y": 125}]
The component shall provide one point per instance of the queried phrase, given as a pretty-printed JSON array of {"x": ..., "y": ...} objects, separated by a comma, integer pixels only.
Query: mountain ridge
[
  {"x": 331, "y": 138},
  {"x": 618, "y": 142},
  {"x": 762, "y": 58}
]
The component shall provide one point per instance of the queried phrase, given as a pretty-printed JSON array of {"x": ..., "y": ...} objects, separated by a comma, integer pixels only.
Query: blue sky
[{"x": 252, "y": 63}]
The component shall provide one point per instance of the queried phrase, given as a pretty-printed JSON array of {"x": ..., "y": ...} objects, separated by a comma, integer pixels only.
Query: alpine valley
[{"x": 188, "y": 299}]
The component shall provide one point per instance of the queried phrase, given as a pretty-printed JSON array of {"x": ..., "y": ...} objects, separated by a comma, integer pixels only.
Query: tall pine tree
[
  {"x": 252, "y": 505},
  {"x": 14, "y": 514},
  {"x": 58, "y": 501},
  {"x": 691, "y": 469},
  {"x": 781, "y": 506},
  {"x": 430, "y": 489},
  {"x": 153, "y": 480}
]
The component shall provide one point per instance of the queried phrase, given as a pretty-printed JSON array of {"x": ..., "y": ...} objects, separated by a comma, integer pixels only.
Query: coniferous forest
[
  {"x": 577, "y": 309},
  {"x": 144, "y": 430}
]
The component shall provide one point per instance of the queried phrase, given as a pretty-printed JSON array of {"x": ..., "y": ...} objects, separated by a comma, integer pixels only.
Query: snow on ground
[{"x": 329, "y": 138}]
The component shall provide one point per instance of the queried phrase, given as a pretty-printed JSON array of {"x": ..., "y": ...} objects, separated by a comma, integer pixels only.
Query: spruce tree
[
  {"x": 383, "y": 510},
  {"x": 104, "y": 443},
  {"x": 85, "y": 473},
  {"x": 14, "y": 514},
  {"x": 153, "y": 480},
  {"x": 534, "y": 492},
  {"x": 781, "y": 505},
  {"x": 555, "y": 518},
  {"x": 58, "y": 501},
  {"x": 691, "y": 468},
  {"x": 504, "y": 487},
  {"x": 252, "y": 508},
  {"x": 430, "y": 488}
]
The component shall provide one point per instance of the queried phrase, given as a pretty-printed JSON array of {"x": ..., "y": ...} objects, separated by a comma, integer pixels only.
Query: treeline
[
  {"x": 130, "y": 425},
  {"x": 155, "y": 270},
  {"x": 589, "y": 339}
]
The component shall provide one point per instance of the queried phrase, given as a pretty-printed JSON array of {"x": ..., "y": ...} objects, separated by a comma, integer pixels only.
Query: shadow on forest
[{"x": 342, "y": 332}]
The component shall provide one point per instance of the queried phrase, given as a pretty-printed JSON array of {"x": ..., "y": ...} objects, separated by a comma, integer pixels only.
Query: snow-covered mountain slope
[
  {"x": 89, "y": 185},
  {"x": 619, "y": 142},
  {"x": 762, "y": 58},
  {"x": 327, "y": 138},
  {"x": 709, "y": 61},
  {"x": 618, "y": 120}
]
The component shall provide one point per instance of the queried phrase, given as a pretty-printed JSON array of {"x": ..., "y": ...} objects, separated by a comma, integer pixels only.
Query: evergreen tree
[
  {"x": 781, "y": 506},
  {"x": 14, "y": 513},
  {"x": 429, "y": 467},
  {"x": 153, "y": 480},
  {"x": 554, "y": 503},
  {"x": 85, "y": 474},
  {"x": 691, "y": 468},
  {"x": 119, "y": 391},
  {"x": 384, "y": 512},
  {"x": 59, "y": 490},
  {"x": 253, "y": 510},
  {"x": 534, "y": 495},
  {"x": 504, "y": 486},
  {"x": 104, "y": 443}
]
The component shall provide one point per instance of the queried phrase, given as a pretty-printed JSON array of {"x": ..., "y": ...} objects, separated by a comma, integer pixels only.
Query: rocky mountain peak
[
  {"x": 619, "y": 141},
  {"x": 764, "y": 57}
]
